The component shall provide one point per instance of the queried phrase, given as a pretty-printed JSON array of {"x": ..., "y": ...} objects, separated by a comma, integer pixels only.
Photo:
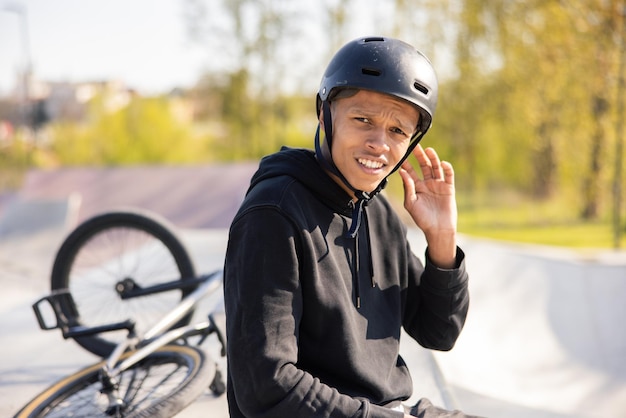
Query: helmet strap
[
  {"x": 417, "y": 137},
  {"x": 328, "y": 163}
]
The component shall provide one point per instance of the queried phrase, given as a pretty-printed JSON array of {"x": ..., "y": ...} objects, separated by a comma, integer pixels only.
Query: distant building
[{"x": 50, "y": 101}]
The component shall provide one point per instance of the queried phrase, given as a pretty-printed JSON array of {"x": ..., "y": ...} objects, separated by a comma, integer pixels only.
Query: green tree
[
  {"x": 250, "y": 92},
  {"x": 142, "y": 132},
  {"x": 531, "y": 102}
]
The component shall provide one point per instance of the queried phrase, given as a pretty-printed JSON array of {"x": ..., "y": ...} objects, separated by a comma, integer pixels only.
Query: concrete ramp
[
  {"x": 31, "y": 230},
  {"x": 546, "y": 333},
  {"x": 23, "y": 217},
  {"x": 189, "y": 196}
]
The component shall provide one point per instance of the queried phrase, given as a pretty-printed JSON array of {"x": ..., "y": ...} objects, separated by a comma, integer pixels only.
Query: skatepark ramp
[
  {"x": 204, "y": 196},
  {"x": 545, "y": 335}
]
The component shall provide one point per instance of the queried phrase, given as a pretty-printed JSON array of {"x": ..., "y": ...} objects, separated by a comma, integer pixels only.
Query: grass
[
  {"x": 547, "y": 223},
  {"x": 574, "y": 235},
  {"x": 511, "y": 217}
]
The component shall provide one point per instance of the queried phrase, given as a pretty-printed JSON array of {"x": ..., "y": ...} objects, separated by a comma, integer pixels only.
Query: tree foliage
[
  {"x": 533, "y": 103},
  {"x": 142, "y": 132},
  {"x": 528, "y": 90}
]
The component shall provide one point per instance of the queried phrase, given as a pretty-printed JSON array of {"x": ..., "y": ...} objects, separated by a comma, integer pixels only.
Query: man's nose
[{"x": 377, "y": 139}]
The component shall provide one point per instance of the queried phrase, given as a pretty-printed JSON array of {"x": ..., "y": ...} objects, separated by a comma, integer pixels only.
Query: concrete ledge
[{"x": 23, "y": 217}]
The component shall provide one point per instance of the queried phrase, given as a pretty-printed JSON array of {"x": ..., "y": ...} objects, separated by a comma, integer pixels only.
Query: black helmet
[{"x": 384, "y": 65}]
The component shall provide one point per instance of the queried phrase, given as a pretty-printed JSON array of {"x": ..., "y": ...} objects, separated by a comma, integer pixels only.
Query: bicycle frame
[{"x": 157, "y": 336}]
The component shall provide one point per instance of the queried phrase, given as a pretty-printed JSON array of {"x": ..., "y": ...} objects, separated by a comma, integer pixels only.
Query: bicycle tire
[
  {"x": 159, "y": 386},
  {"x": 106, "y": 249}
]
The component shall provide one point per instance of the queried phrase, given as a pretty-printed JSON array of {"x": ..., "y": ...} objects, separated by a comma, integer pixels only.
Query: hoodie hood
[
  {"x": 302, "y": 165},
  {"x": 306, "y": 166}
]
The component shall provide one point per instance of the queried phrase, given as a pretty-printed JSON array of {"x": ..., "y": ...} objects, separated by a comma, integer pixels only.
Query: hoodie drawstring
[
  {"x": 369, "y": 254},
  {"x": 355, "y": 277},
  {"x": 357, "y": 214}
]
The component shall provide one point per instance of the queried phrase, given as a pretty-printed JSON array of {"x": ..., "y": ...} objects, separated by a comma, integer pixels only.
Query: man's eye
[
  {"x": 398, "y": 131},
  {"x": 362, "y": 119}
]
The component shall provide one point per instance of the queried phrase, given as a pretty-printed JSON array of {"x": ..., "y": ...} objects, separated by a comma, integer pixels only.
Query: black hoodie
[{"x": 313, "y": 317}]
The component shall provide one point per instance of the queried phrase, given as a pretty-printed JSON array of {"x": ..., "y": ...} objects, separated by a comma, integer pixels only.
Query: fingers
[
  {"x": 429, "y": 162},
  {"x": 431, "y": 166},
  {"x": 408, "y": 181},
  {"x": 448, "y": 172}
]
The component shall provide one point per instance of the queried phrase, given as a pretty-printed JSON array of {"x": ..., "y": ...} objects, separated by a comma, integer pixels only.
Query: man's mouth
[{"x": 370, "y": 164}]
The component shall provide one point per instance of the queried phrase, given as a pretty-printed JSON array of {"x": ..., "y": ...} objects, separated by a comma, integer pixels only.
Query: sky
[
  {"x": 140, "y": 42},
  {"x": 143, "y": 43}
]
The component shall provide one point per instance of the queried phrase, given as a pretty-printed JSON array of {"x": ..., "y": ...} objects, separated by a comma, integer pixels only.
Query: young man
[{"x": 319, "y": 276}]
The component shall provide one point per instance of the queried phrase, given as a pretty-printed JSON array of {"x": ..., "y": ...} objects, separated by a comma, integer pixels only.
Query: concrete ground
[
  {"x": 33, "y": 359},
  {"x": 544, "y": 337},
  {"x": 545, "y": 334}
]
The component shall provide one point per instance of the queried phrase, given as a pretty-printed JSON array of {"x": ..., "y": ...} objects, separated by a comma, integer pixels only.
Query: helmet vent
[
  {"x": 371, "y": 71},
  {"x": 420, "y": 88}
]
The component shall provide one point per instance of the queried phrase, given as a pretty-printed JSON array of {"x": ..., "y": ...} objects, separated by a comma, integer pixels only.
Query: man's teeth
[{"x": 370, "y": 163}]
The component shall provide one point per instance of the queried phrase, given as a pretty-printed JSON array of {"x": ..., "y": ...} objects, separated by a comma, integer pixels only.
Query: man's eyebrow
[
  {"x": 405, "y": 124},
  {"x": 359, "y": 108}
]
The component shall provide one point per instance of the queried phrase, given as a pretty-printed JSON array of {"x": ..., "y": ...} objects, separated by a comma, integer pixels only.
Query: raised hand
[{"x": 430, "y": 200}]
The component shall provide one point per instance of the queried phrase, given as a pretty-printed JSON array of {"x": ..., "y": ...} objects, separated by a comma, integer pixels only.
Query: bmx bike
[{"x": 125, "y": 288}]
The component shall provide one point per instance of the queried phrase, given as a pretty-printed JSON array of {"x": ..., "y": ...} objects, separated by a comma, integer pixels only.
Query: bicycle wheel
[
  {"x": 110, "y": 252},
  {"x": 161, "y": 385}
]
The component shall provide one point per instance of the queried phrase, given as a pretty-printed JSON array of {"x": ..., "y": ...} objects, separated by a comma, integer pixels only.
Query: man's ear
[{"x": 321, "y": 117}]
